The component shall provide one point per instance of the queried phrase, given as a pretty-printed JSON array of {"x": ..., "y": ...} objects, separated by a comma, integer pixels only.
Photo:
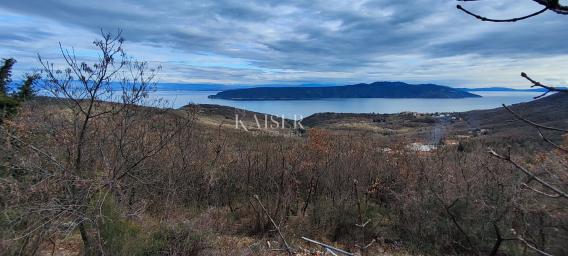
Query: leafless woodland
[{"x": 83, "y": 175}]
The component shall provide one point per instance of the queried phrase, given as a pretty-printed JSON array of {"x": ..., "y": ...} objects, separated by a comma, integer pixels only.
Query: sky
[{"x": 249, "y": 42}]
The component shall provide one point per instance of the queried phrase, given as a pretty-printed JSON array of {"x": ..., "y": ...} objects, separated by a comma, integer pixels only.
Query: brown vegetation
[
  {"x": 319, "y": 186},
  {"x": 81, "y": 175}
]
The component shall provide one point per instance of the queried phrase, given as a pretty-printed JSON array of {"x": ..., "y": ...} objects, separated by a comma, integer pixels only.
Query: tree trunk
[{"x": 88, "y": 249}]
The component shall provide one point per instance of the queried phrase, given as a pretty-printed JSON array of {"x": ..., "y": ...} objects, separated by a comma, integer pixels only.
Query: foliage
[
  {"x": 26, "y": 90},
  {"x": 6, "y": 75},
  {"x": 122, "y": 236},
  {"x": 172, "y": 240},
  {"x": 8, "y": 106},
  {"x": 117, "y": 233}
]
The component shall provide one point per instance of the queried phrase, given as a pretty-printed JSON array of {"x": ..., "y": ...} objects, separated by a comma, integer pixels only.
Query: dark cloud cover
[{"x": 291, "y": 41}]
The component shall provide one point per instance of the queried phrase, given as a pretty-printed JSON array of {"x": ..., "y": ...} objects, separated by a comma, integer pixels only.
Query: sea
[{"x": 304, "y": 108}]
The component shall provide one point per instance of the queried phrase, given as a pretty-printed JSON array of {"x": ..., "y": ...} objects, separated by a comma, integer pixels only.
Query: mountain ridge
[
  {"x": 501, "y": 89},
  {"x": 361, "y": 90}
]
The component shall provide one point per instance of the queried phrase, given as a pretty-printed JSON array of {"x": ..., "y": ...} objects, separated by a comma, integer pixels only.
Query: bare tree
[{"x": 95, "y": 143}]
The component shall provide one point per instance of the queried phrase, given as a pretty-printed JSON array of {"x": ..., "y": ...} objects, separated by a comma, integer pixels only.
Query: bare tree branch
[
  {"x": 551, "y": 142},
  {"x": 479, "y": 17},
  {"x": 549, "y": 89},
  {"x": 540, "y": 192},
  {"x": 530, "y": 174},
  {"x": 533, "y": 123},
  {"x": 553, "y": 5},
  {"x": 286, "y": 245},
  {"x": 529, "y": 245},
  {"x": 47, "y": 155},
  {"x": 328, "y": 247}
]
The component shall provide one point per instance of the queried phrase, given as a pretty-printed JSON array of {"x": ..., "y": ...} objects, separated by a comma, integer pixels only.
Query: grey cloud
[
  {"x": 315, "y": 36},
  {"x": 25, "y": 34},
  {"x": 541, "y": 37}
]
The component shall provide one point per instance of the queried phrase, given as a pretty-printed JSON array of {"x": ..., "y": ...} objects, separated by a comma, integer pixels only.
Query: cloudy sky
[{"x": 298, "y": 42}]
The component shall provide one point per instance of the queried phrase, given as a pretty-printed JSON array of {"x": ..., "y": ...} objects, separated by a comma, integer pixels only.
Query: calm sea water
[{"x": 289, "y": 108}]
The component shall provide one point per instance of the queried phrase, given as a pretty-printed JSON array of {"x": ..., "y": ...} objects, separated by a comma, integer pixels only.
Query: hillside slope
[{"x": 551, "y": 111}]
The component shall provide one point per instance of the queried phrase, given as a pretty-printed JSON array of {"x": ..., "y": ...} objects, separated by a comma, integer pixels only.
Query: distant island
[
  {"x": 500, "y": 89},
  {"x": 373, "y": 90}
]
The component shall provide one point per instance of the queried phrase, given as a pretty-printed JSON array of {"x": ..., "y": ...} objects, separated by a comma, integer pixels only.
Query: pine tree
[
  {"x": 6, "y": 75},
  {"x": 26, "y": 90}
]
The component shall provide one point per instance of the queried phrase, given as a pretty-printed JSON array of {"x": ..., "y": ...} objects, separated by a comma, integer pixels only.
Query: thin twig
[
  {"x": 553, "y": 5},
  {"x": 368, "y": 245},
  {"x": 364, "y": 224},
  {"x": 533, "y": 123},
  {"x": 548, "y": 88},
  {"x": 530, "y": 245},
  {"x": 551, "y": 142},
  {"x": 479, "y": 17},
  {"x": 328, "y": 247},
  {"x": 458, "y": 226},
  {"x": 49, "y": 156},
  {"x": 540, "y": 192},
  {"x": 286, "y": 245},
  {"x": 530, "y": 174}
]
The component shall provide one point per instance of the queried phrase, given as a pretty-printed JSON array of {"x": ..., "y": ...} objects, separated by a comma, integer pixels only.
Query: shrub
[
  {"x": 118, "y": 235},
  {"x": 8, "y": 106},
  {"x": 124, "y": 237},
  {"x": 172, "y": 240}
]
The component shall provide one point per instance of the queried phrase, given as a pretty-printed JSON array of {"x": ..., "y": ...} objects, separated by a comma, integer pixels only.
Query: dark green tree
[
  {"x": 6, "y": 75},
  {"x": 26, "y": 89},
  {"x": 8, "y": 105}
]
